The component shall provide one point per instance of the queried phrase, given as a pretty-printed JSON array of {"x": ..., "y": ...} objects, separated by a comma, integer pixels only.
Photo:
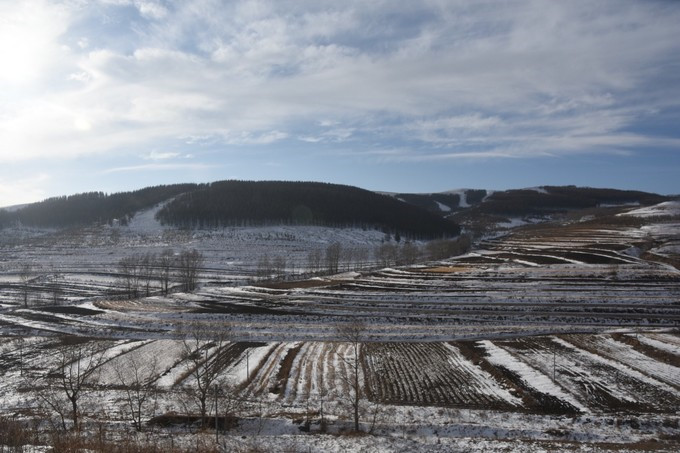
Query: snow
[
  {"x": 480, "y": 377},
  {"x": 531, "y": 376},
  {"x": 538, "y": 189},
  {"x": 492, "y": 296},
  {"x": 667, "y": 208},
  {"x": 621, "y": 364},
  {"x": 144, "y": 222},
  {"x": 443, "y": 207},
  {"x": 249, "y": 361},
  {"x": 666, "y": 343}
]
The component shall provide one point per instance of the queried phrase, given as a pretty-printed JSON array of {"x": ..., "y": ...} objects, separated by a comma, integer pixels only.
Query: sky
[{"x": 400, "y": 96}]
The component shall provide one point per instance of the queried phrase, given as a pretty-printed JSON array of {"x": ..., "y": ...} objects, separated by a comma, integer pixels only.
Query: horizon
[
  {"x": 116, "y": 95},
  {"x": 20, "y": 205}
]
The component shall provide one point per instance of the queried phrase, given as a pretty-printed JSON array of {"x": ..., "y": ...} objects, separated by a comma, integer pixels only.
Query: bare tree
[
  {"x": 55, "y": 288},
  {"x": 353, "y": 333},
  {"x": 362, "y": 256},
  {"x": 386, "y": 254},
  {"x": 76, "y": 374},
  {"x": 333, "y": 252},
  {"x": 206, "y": 360},
  {"x": 190, "y": 262},
  {"x": 279, "y": 265},
  {"x": 264, "y": 267},
  {"x": 25, "y": 274},
  {"x": 409, "y": 253},
  {"x": 165, "y": 262},
  {"x": 445, "y": 248},
  {"x": 128, "y": 269},
  {"x": 147, "y": 270},
  {"x": 347, "y": 256},
  {"x": 314, "y": 260},
  {"x": 138, "y": 382}
]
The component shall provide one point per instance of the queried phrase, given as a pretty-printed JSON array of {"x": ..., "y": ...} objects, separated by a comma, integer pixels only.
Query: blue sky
[{"x": 427, "y": 96}]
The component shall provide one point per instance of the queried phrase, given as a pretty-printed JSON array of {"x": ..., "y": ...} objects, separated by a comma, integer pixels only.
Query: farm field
[{"x": 550, "y": 338}]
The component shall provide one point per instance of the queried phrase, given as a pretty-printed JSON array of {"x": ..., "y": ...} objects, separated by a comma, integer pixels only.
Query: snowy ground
[{"x": 552, "y": 338}]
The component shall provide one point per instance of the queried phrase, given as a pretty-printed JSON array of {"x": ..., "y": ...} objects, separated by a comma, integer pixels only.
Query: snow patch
[
  {"x": 530, "y": 375},
  {"x": 443, "y": 207},
  {"x": 667, "y": 208}
]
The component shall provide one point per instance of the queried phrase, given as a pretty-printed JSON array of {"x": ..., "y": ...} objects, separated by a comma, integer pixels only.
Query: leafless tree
[
  {"x": 409, "y": 253},
  {"x": 314, "y": 260},
  {"x": 353, "y": 333},
  {"x": 205, "y": 356},
  {"x": 129, "y": 273},
  {"x": 147, "y": 271},
  {"x": 386, "y": 254},
  {"x": 279, "y": 265},
  {"x": 56, "y": 288},
  {"x": 347, "y": 257},
  {"x": 190, "y": 262},
  {"x": 264, "y": 266},
  {"x": 138, "y": 382},
  {"x": 75, "y": 375},
  {"x": 333, "y": 252},
  {"x": 362, "y": 256},
  {"x": 25, "y": 274},
  {"x": 446, "y": 248},
  {"x": 165, "y": 262}
]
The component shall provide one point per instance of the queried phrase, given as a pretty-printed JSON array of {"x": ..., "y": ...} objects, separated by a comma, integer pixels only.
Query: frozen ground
[{"x": 552, "y": 338}]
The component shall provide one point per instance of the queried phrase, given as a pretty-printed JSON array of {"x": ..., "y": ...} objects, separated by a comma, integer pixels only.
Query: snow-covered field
[{"x": 552, "y": 338}]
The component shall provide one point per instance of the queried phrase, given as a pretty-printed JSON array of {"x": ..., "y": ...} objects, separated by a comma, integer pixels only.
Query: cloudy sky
[{"x": 423, "y": 96}]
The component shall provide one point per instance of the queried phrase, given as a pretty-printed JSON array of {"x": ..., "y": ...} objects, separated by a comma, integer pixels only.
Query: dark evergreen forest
[
  {"x": 242, "y": 203},
  {"x": 250, "y": 203},
  {"x": 560, "y": 198},
  {"x": 91, "y": 207}
]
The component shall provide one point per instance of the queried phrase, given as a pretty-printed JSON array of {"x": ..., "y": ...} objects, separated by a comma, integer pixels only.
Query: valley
[{"x": 554, "y": 336}]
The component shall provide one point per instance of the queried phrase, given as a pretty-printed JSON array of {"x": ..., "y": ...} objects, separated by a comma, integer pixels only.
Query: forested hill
[
  {"x": 549, "y": 199},
  {"x": 91, "y": 207},
  {"x": 543, "y": 200},
  {"x": 237, "y": 203}
]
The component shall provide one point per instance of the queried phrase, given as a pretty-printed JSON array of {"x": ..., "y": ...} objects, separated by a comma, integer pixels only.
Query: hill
[
  {"x": 89, "y": 208},
  {"x": 240, "y": 203},
  {"x": 521, "y": 202}
]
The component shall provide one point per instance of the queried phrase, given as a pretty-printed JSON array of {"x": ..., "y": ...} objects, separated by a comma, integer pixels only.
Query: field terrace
[{"x": 550, "y": 338}]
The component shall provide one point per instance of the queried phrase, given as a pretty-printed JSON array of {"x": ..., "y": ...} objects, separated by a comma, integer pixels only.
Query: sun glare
[{"x": 24, "y": 45}]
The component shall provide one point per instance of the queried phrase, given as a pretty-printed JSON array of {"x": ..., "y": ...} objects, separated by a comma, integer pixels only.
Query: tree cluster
[
  {"x": 140, "y": 274},
  {"x": 244, "y": 203}
]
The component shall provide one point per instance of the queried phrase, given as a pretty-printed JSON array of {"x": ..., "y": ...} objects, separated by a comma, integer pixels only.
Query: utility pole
[{"x": 554, "y": 359}]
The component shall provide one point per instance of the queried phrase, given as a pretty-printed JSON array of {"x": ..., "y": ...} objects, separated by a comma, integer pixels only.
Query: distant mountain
[
  {"x": 91, "y": 207},
  {"x": 236, "y": 203},
  {"x": 522, "y": 202}
]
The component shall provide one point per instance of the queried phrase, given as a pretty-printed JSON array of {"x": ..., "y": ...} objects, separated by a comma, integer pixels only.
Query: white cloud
[
  {"x": 155, "y": 167},
  {"x": 157, "y": 155},
  {"x": 479, "y": 77},
  {"x": 152, "y": 10}
]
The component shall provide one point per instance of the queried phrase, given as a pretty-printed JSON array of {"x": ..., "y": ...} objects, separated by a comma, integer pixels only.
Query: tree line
[
  {"x": 141, "y": 274},
  {"x": 336, "y": 257}
]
